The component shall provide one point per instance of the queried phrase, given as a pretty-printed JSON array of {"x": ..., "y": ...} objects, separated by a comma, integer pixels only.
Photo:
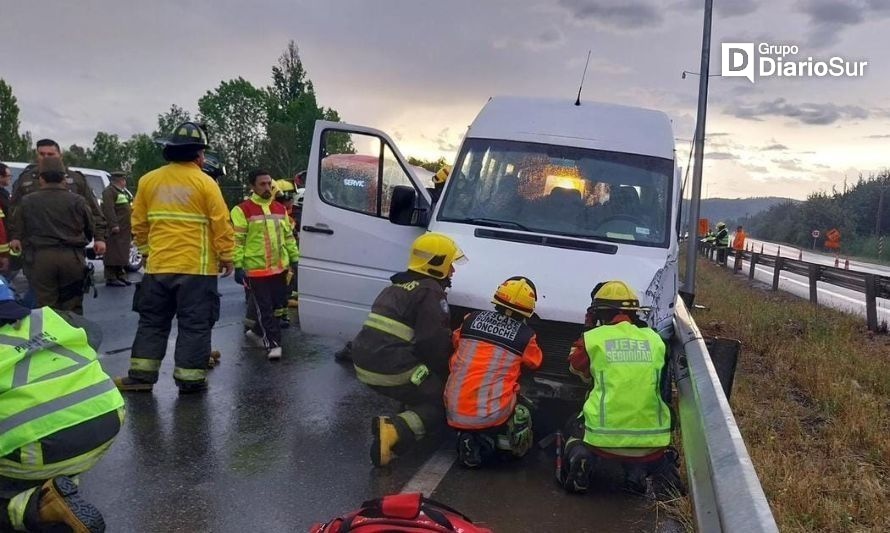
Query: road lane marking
[
  {"x": 879, "y": 306},
  {"x": 432, "y": 472}
]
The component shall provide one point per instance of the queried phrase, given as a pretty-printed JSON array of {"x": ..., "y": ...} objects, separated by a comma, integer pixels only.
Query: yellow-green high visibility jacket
[
  {"x": 50, "y": 380},
  {"x": 625, "y": 409},
  {"x": 264, "y": 238}
]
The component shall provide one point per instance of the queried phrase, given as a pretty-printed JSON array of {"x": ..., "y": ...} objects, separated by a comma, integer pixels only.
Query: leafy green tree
[
  {"x": 235, "y": 116},
  {"x": 77, "y": 156},
  {"x": 13, "y": 146},
  {"x": 145, "y": 155},
  {"x": 432, "y": 166},
  {"x": 291, "y": 115},
  {"x": 169, "y": 120},
  {"x": 109, "y": 153}
]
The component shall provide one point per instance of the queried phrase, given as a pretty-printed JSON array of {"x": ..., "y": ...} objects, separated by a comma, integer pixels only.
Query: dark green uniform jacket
[{"x": 409, "y": 325}]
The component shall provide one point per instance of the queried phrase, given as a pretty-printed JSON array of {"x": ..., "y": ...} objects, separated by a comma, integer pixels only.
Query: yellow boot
[
  {"x": 60, "y": 503},
  {"x": 385, "y": 437}
]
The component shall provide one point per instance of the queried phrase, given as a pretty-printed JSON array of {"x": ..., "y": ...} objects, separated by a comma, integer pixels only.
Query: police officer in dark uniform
[
  {"x": 51, "y": 227},
  {"x": 76, "y": 183},
  {"x": 116, "y": 200},
  {"x": 403, "y": 349}
]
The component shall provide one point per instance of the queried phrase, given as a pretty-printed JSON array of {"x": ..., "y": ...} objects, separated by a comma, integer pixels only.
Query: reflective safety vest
[
  {"x": 625, "y": 408},
  {"x": 722, "y": 238},
  {"x": 264, "y": 238},
  {"x": 50, "y": 380},
  {"x": 491, "y": 349}
]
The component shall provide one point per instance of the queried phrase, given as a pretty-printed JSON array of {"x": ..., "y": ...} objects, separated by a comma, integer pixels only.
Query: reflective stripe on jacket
[
  {"x": 625, "y": 408},
  {"x": 490, "y": 350},
  {"x": 50, "y": 380},
  {"x": 264, "y": 238},
  {"x": 408, "y": 326},
  {"x": 181, "y": 221}
]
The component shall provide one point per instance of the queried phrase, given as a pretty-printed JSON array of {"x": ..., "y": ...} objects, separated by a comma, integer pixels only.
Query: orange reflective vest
[
  {"x": 738, "y": 243},
  {"x": 490, "y": 351}
]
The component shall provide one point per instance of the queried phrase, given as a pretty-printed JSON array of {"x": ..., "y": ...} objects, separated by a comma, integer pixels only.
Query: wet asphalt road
[{"x": 278, "y": 446}]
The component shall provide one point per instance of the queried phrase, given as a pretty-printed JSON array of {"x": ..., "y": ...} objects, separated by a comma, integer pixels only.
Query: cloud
[
  {"x": 720, "y": 156},
  {"x": 733, "y": 8},
  {"x": 632, "y": 14},
  {"x": 806, "y": 113},
  {"x": 757, "y": 169},
  {"x": 884, "y": 136},
  {"x": 548, "y": 38},
  {"x": 829, "y": 18},
  {"x": 794, "y": 165},
  {"x": 774, "y": 147}
]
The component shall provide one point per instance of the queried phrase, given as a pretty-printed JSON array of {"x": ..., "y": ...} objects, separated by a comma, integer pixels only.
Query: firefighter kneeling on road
[
  {"x": 625, "y": 362},
  {"x": 481, "y": 396},
  {"x": 59, "y": 413},
  {"x": 403, "y": 349}
]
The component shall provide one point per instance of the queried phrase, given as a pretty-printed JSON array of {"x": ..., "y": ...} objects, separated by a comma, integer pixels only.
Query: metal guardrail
[
  {"x": 723, "y": 485},
  {"x": 872, "y": 285}
]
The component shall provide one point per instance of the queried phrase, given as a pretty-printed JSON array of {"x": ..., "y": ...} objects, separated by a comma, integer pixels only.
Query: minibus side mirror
[{"x": 403, "y": 208}]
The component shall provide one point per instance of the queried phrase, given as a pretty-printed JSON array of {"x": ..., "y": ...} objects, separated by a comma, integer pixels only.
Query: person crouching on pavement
[
  {"x": 61, "y": 412},
  {"x": 403, "y": 348},
  {"x": 491, "y": 347},
  {"x": 116, "y": 201},
  {"x": 264, "y": 249},
  {"x": 626, "y": 417}
]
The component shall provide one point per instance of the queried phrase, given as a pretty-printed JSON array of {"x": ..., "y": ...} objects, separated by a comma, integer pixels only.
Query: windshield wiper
[{"x": 493, "y": 222}]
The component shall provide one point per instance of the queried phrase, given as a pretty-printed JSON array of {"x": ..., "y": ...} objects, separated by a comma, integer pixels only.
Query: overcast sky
[{"x": 421, "y": 70}]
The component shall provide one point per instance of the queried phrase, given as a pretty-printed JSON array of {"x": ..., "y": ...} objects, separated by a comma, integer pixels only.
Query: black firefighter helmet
[{"x": 187, "y": 134}]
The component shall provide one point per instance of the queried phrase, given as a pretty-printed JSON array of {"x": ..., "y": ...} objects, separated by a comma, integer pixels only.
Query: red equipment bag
[{"x": 409, "y": 513}]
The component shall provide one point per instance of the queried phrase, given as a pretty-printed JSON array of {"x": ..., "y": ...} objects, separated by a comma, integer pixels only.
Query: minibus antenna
[{"x": 578, "y": 100}]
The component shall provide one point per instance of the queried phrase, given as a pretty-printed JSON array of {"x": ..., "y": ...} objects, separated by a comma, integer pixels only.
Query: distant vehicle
[
  {"x": 97, "y": 180},
  {"x": 566, "y": 195}
]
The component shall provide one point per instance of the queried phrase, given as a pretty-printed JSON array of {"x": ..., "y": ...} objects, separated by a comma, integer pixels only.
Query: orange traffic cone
[{"x": 846, "y": 264}]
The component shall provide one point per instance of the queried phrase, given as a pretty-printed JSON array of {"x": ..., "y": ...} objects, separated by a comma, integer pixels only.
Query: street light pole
[{"x": 688, "y": 292}]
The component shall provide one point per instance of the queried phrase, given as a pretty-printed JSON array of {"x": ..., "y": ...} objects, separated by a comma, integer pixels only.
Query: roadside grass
[{"x": 812, "y": 400}]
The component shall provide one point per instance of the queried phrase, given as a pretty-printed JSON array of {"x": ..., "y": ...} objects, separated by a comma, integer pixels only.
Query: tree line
[{"x": 861, "y": 213}]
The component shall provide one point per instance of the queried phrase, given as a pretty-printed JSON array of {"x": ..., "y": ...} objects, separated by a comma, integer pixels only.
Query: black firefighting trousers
[
  {"x": 424, "y": 408},
  {"x": 264, "y": 295},
  {"x": 194, "y": 301}
]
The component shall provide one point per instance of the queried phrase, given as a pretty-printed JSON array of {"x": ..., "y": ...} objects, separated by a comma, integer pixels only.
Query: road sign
[
  {"x": 815, "y": 234},
  {"x": 833, "y": 239}
]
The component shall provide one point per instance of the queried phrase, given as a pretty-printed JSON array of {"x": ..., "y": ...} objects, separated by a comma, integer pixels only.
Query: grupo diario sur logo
[{"x": 765, "y": 60}]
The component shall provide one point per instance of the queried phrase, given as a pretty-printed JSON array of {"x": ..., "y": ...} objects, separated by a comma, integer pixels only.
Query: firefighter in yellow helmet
[
  {"x": 628, "y": 421},
  {"x": 482, "y": 393},
  {"x": 403, "y": 348},
  {"x": 285, "y": 194},
  {"x": 439, "y": 180}
]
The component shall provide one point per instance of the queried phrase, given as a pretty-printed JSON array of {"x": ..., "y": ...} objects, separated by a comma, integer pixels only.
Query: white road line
[
  {"x": 432, "y": 472},
  {"x": 770, "y": 273}
]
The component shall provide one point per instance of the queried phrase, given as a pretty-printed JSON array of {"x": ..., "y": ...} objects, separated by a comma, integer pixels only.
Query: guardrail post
[
  {"x": 871, "y": 305},
  {"x": 754, "y": 258},
  {"x": 846, "y": 264},
  {"x": 776, "y": 273},
  {"x": 814, "y": 278},
  {"x": 761, "y": 247}
]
